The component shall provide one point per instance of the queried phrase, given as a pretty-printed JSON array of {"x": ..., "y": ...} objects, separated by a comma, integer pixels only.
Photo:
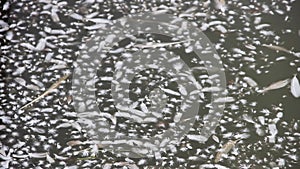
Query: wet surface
[{"x": 41, "y": 41}]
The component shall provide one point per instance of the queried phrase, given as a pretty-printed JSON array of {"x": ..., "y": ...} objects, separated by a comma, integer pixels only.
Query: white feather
[
  {"x": 199, "y": 138},
  {"x": 49, "y": 158},
  {"x": 21, "y": 81},
  {"x": 172, "y": 92},
  {"x": 295, "y": 87},
  {"x": 37, "y": 155},
  {"x": 41, "y": 45},
  {"x": 144, "y": 108},
  {"x": 250, "y": 81}
]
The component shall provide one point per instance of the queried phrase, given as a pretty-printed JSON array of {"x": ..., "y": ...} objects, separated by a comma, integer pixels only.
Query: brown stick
[{"x": 52, "y": 87}]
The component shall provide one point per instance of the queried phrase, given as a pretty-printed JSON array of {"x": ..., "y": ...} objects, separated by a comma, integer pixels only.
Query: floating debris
[
  {"x": 99, "y": 20},
  {"x": 2, "y": 127},
  {"x": 225, "y": 149},
  {"x": 159, "y": 45},
  {"x": 74, "y": 143},
  {"x": 41, "y": 44},
  {"x": 21, "y": 81},
  {"x": 224, "y": 100},
  {"x": 198, "y": 138},
  {"x": 221, "y": 5},
  {"x": 250, "y": 81},
  {"x": 295, "y": 87},
  {"x": 32, "y": 87},
  {"x": 58, "y": 66},
  {"x": 76, "y": 16},
  {"x": 169, "y": 91},
  {"x": 37, "y": 155},
  {"x": 39, "y": 47},
  {"x": 60, "y": 157},
  {"x": 217, "y": 166},
  {"x": 120, "y": 164},
  {"x": 282, "y": 49},
  {"x": 49, "y": 158},
  {"x": 54, "y": 15},
  {"x": 54, "y": 86},
  {"x": 211, "y": 89},
  {"x": 215, "y": 138},
  {"x": 273, "y": 131},
  {"x": 95, "y": 27},
  {"x": 276, "y": 85},
  {"x": 277, "y": 48}
]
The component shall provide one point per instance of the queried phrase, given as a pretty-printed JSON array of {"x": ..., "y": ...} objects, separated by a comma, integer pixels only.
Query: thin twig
[
  {"x": 52, "y": 87},
  {"x": 279, "y": 48}
]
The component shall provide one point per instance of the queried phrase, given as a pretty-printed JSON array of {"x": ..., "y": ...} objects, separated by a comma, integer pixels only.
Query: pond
[{"x": 158, "y": 84}]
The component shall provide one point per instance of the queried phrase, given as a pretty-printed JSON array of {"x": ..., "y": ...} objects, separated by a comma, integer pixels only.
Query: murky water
[{"x": 43, "y": 40}]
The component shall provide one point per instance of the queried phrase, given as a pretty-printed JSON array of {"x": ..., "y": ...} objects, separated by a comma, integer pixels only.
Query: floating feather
[
  {"x": 39, "y": 47},
  {"x": 99, "y": 20},
  {"x": 54, "y": 15},
  {"x": 250, "y": 81},
  {"x": 295, "y": 87},
  {"x": 279, "y": 48},
  {"x": 276, "y": 85},
  {"x": 41, "y": 44},
  {"x": 49, "y": 158},
  {"x": 158, "y": 45},
  {"x": 37, "y": 155},
  {"x": 215, "y": 138},
  {"x": 76, "y": 16},
  {"x": 221, "y": 5},
  {"x": 21, "y": 81},
  {"x": 225, "y": 149},
  {"x": 194, "y": 137},
  {"x": 224, "y": 100},
  {"x": 211, "y": 89},
  {"x": 169, "y": 91}
]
